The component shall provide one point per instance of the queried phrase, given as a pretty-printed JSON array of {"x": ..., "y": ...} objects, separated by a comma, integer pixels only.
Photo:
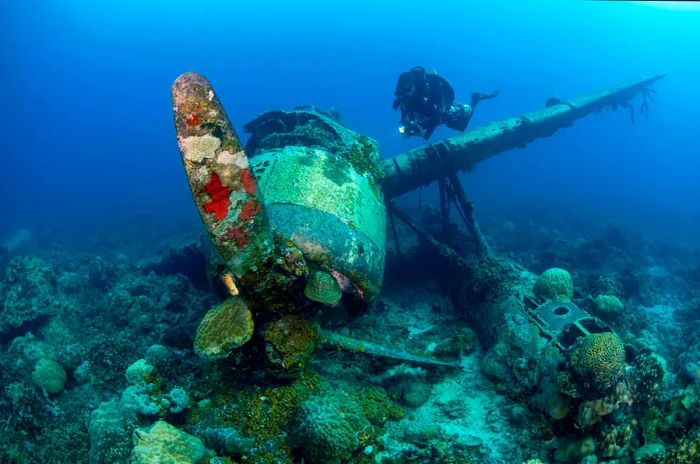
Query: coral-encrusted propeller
[
  {"x": 223, "y": 186},
  {"x": 316, "y": 240},
  {"x": 229, "y": 202}
]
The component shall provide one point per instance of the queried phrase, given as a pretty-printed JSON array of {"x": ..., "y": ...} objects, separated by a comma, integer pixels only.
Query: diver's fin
[
  {"x": 224, "y": 188},
  {"x": 223, "y": 329},
  {"x": 323, "y": 288}
]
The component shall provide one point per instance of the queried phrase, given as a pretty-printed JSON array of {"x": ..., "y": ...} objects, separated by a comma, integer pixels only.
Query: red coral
[
  {"x": 249, "y": 183},
  {"x": 219, "y": 197},
  {"x": 192, "y": 120},
  {"x": 249, "y": 210},
  {"x": 239, "y": 235}
]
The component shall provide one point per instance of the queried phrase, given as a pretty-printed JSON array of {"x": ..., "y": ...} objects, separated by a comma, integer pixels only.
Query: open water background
[{"x": 88, "y": 143}]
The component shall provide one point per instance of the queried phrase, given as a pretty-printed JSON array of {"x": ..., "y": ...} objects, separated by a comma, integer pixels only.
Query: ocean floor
[{"x": 98, "y": 367}]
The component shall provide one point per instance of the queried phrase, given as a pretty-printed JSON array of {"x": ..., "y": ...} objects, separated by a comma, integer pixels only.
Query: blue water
[{"x": 88, "y": 141}]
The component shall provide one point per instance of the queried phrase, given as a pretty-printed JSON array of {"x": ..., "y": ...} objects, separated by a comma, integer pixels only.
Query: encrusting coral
[
  {"x": 166, "y": 444},
  {"x": 289, "y": 342},
  {"x": 223, "y": 329}
]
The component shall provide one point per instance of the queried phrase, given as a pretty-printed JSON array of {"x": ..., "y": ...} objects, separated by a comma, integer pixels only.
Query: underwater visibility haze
[{"x": 350, "y": 232}]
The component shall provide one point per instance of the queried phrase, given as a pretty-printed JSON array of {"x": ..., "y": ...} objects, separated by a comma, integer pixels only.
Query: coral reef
[
  {"x": 121, "y": 329},
  {"x": 28, "y": 294},
  {"x": 179, "y": 400},
  {"x": 109, "y": 434}
]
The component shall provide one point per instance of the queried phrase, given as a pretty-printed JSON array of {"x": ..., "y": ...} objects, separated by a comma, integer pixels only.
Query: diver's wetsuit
[{"x": 426, "y": 100}]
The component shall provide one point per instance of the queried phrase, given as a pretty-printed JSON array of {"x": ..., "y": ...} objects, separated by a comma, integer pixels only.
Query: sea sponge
[
  {"x": 140, "y": 372},
  {"x": 609, "y": 305},
  {"x": 179, "y": 400},
  {"x": 140, "y": 399},
  {"x": 166, "y": 444},
  {"x": 555, "y": 284},
  {"x": 327, "y": 429},
  {"x": 598, "y": 360},
  {"x": 227, "y": 440},
  {"x": 49, "y": 375}
]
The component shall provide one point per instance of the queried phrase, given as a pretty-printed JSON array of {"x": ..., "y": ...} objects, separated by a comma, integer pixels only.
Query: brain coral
[
  {"x": 326, "y": 429},
  {"x": 49, "y": 375},
  {"x": 555, "y": 284},
  {"x": 599, "y": 360},
  {"x": 609, "y": 305}
]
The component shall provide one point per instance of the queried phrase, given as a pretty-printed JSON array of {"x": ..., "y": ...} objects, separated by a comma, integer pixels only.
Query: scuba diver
[{"x": 427, "y": 100}]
